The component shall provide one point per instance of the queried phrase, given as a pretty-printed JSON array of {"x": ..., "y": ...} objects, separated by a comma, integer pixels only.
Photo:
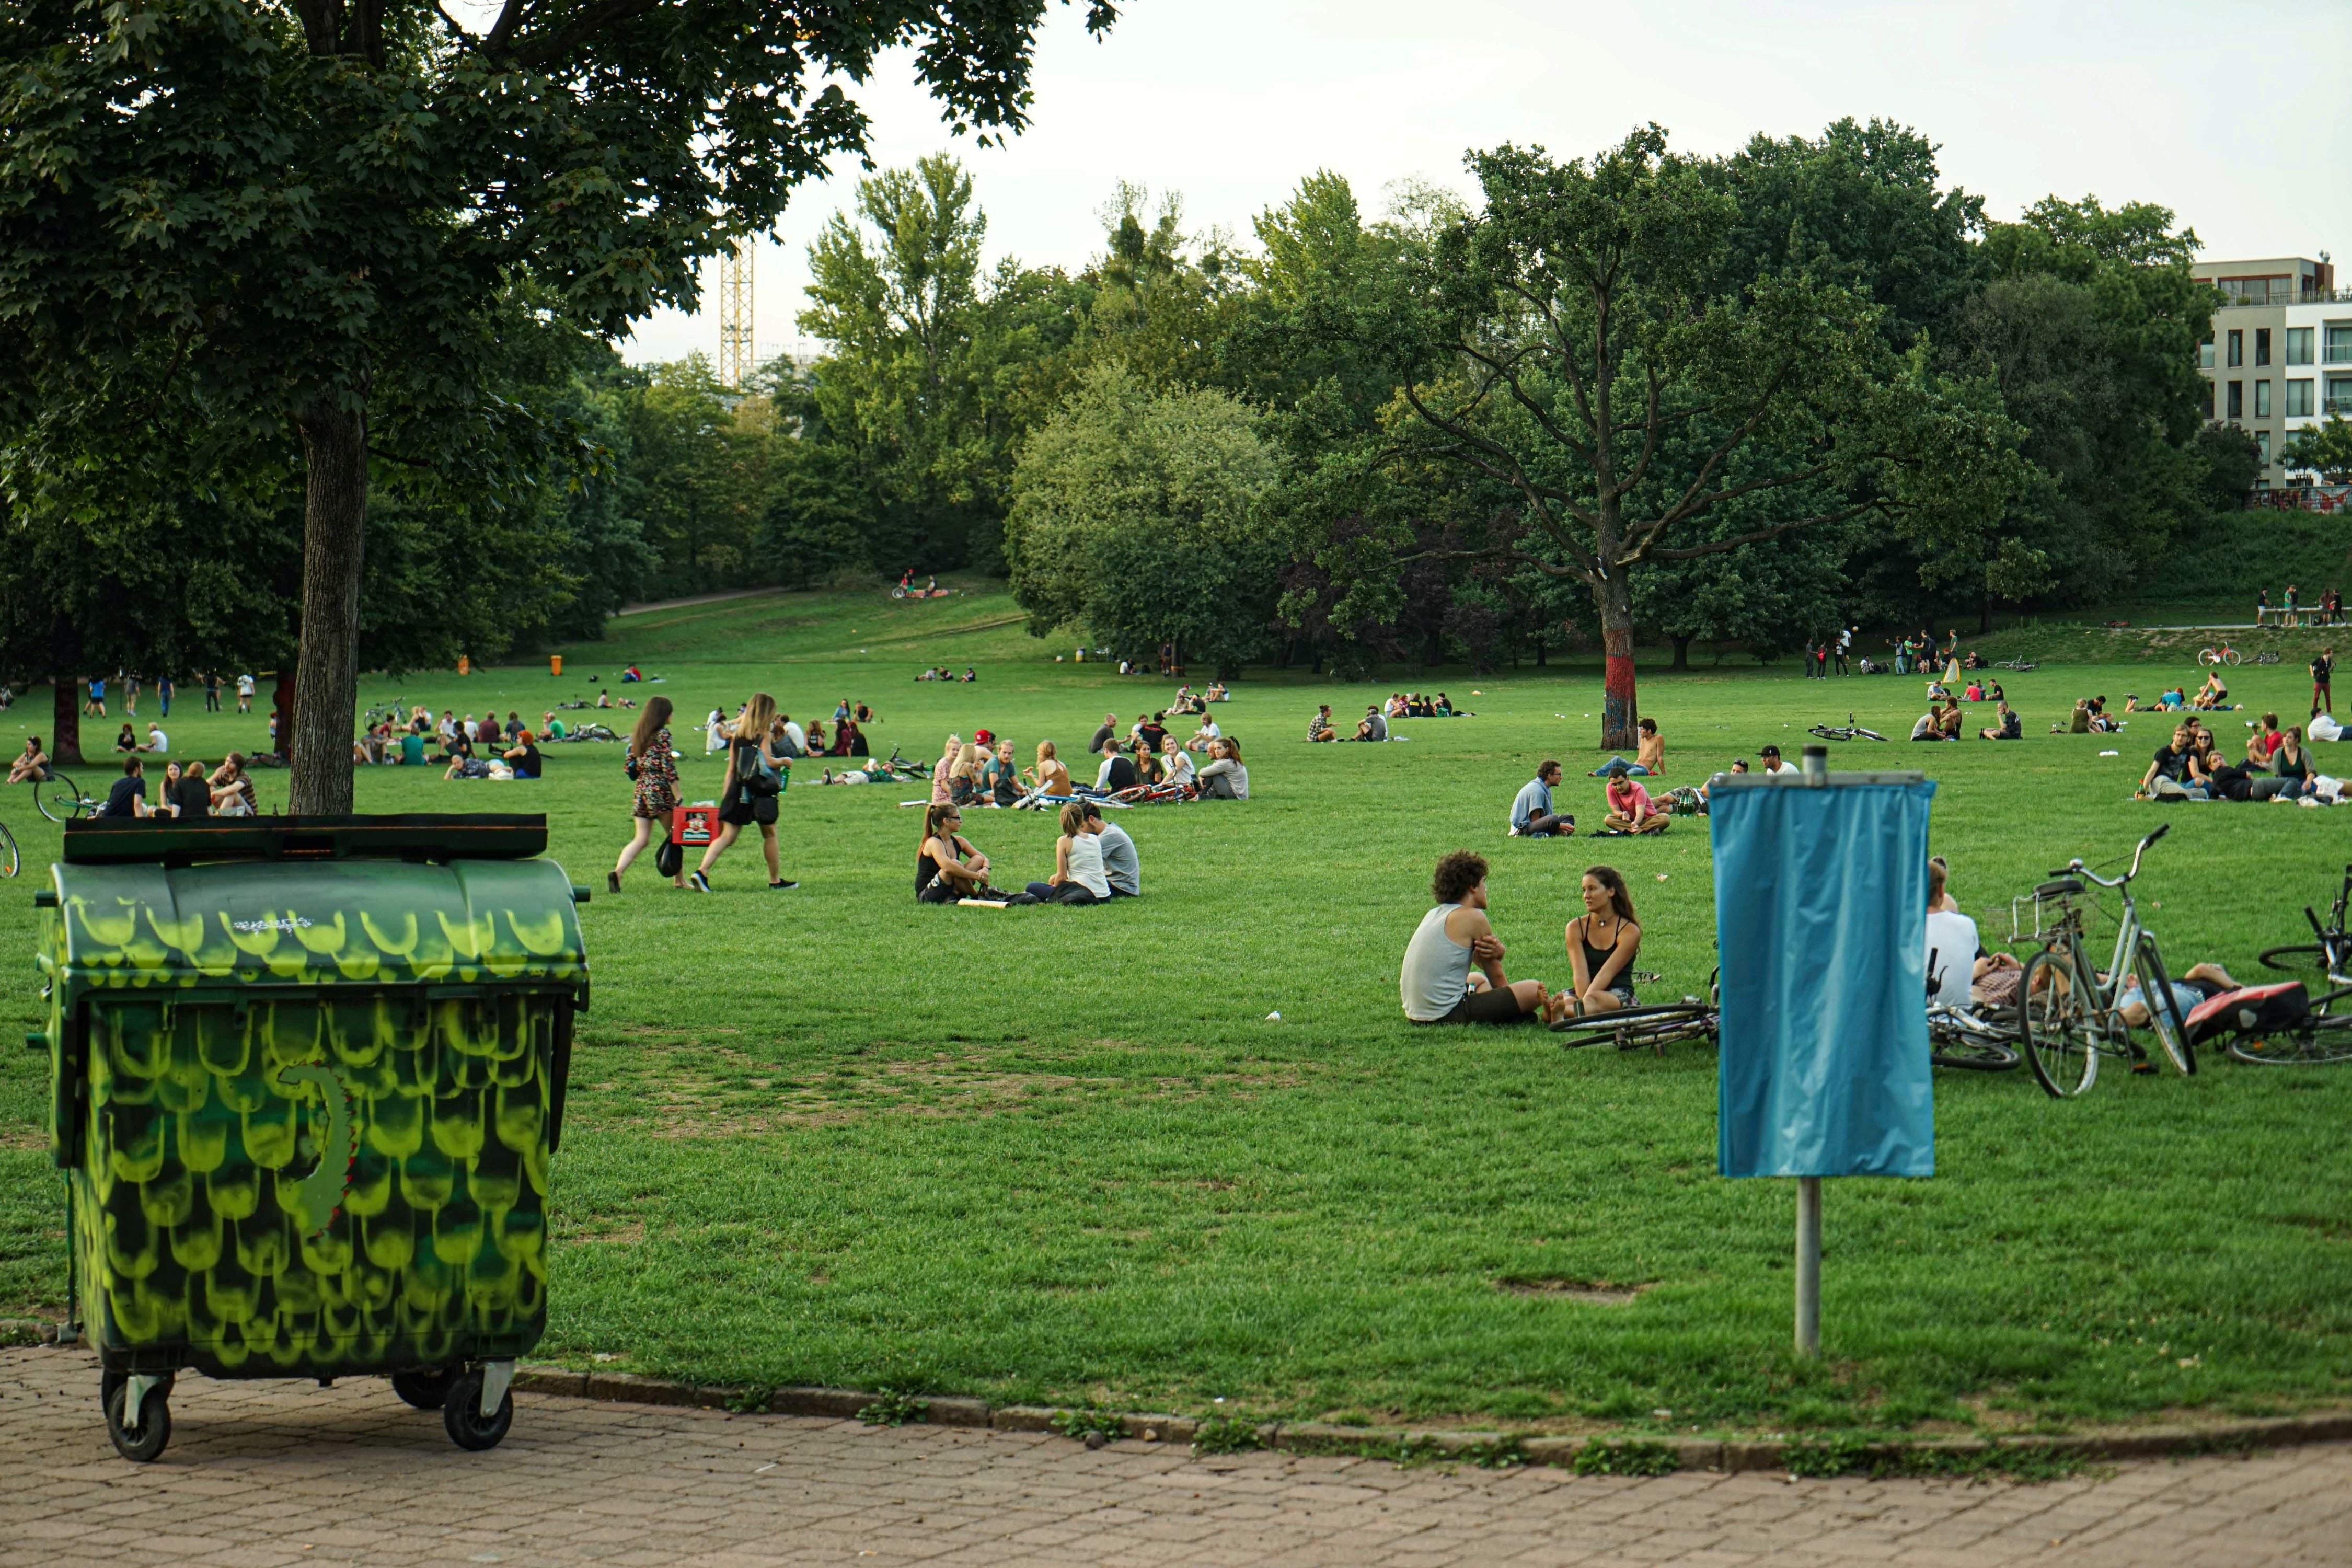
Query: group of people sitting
[
  {"x": 2091, "y": 718},
  {"x": 1419, "y": 705},
  {"x": 188, "y": 791},
  {"x": 2190, "y": 766},
  {"x": 1452, "y": 969},
  {"x": 788, "y": 737},
  {"x": 1627, "y": 805},
  {"x": 1941, "y": 721},
  {"x": 1148, "y": 763},
  {"x": 941, "y": 672},
  {"x": 1094, "y": 862},
  {"x": 1188, "y": 701},
  {"x": 2213, "y": 697}
]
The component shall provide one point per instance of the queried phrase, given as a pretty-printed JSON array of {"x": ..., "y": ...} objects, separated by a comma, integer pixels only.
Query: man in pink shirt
[{"x": 1630, "y": 810}]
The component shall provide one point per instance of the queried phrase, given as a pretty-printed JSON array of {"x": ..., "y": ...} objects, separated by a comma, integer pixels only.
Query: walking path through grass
[{"x": 1061, "y": 1156}]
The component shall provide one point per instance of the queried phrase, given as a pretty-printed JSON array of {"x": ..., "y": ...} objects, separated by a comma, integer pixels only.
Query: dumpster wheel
[
  {"x": 428, "y": 1388},
  {"x": 154, "y": 1419},
  {"x": 462, "y": 1412}
]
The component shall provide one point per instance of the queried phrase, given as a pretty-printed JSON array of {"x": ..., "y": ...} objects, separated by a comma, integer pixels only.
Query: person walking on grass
[
  {"x": 2323, "y": 671},
  {"x": 653, "y": 766},
  {"x": 756, "y": 775}
]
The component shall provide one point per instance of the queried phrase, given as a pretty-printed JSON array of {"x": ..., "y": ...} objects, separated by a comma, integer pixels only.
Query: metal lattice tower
[{"x": 735, "y": 359}]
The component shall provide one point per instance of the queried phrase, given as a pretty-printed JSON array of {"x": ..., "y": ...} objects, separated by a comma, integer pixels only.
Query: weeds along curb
[{"x": 1478, "y": 1448}]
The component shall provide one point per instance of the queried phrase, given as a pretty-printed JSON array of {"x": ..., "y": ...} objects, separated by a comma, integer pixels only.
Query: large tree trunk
[
  {"x": 284, "y": 697},
  {"x": 1681, "y": 654},
  {"x": 65, "y": 719},
  {"x": 1619, "y": 713},
  {"x": 317, "y": 743}
]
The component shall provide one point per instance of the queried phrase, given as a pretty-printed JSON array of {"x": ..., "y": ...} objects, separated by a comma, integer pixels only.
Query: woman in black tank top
[{"x": 1603, "y": 941}]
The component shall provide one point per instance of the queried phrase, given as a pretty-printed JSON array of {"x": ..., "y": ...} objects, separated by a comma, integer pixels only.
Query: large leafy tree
[
  {"x": 1593, "y": 326},
  {"x": 285, "y": 207},
  {"x": 1135, "y": 517}
]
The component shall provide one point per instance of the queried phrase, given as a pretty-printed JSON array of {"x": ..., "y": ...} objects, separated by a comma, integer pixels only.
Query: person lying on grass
[
  {"x": 1629, "y": 809},
  {"x": 1437, "y": 983},
  {"x": 1602, "y": 943},
  {"x": 1077, "y": 876},
  {"x": 947, "y": 868}
]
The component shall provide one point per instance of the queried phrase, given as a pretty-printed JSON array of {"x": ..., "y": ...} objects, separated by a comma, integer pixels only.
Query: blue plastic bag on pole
[{"x": 1821, "y": 895}]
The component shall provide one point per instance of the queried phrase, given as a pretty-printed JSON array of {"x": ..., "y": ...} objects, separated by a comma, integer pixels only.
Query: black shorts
[
  {"x": 1487, "y": 1005},
  {"x": 744, "y": 809}
]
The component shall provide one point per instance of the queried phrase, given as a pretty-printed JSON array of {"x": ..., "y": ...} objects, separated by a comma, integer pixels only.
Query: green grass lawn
[{"x": 826, "y": 1136}]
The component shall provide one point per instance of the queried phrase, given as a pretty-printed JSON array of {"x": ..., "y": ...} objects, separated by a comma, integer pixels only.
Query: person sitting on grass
[
  {"x": 2213, "y": 696},
  {"x": 2009, "y": 728},
  {"x": 1102, "y": 736},
  {"x": 1602, "y": 942},
  {"x": 1319, "y": 727},
  {"x": 1651, "y": 753},
  {"x": 1050, "y": 776},
  {"x": 1122, "y": 867},
  {"x": 1630, "y": 809},
  {"x": 32, "y": 767},
  {"x": 1437, "y": 983},
  {"x": 2171, "y": 774},
  {"x": 129, "y": 795},
  {"x": 947, "y": 868},
  {"x": 126, "y": 741},
  {"x": 1952, "y": 943},
  {"x": 1117, "y": 773},
  {"x": 1532, "y": 816},
  {"x": 1373, "y": 726},
  {"x": 1222, "y": 777},
  {"x": 1077, "y": 876},
  {"x": 523, "y": 756},
  {"x": 2291, "y": 764},
  {"x": 1176, "y": 765},
  {"x": 1975, "y": 693},
  {"x": 1768, "y": 759},
  {"x": 1207, "y": 735}
]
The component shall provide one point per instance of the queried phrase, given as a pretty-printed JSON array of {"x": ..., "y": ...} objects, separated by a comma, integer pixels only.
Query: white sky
[{"x": 2234, "y": 115}]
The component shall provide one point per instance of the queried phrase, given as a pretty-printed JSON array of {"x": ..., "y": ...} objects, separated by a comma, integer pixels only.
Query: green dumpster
[{"x": 305, "y": 1076}]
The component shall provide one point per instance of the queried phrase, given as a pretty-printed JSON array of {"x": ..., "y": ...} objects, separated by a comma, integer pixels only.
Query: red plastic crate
[{"x": 693, "y": 826}]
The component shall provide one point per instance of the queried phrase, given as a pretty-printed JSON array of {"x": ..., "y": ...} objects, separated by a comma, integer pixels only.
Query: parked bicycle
[
  {"x": 1647, "y": 1028},
  {"x": 2268, "y": 656},
  {"x": 2072, "y": 1015},
  {"x": 2325, "y": 1035},
  {"x": 1957, "y": 1037},
  {"x": 2018, "y": 666},
  {"x": 1849, "y": 731},
  {"x": 2224, "y": 654},
  {"x": 10, "y": 862},
  {"x": 60, "y": 799}
]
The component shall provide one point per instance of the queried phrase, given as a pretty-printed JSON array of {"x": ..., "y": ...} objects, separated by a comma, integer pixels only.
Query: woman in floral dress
[{"x": 654, "y": 764}]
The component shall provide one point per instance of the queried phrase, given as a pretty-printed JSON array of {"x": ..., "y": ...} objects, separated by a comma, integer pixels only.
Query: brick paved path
[{"x": 268, "y": 1473}]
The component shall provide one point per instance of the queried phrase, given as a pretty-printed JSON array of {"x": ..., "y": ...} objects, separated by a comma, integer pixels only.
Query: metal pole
[{"x": 1809, "y": 1267}]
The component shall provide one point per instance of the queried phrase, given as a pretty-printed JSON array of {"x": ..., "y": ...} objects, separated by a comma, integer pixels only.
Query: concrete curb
[{"x": 1317, "y": 1438}]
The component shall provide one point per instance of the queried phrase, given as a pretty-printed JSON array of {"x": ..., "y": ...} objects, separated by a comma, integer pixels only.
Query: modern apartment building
[{"x": 2280, "y": 356}]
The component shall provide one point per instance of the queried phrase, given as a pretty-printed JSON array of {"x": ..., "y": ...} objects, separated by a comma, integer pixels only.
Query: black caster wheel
[
  {"x": 428, "y": 1388},
  {"x": 462, "y": 1414},
  {"x": 154, "y": 1422}
]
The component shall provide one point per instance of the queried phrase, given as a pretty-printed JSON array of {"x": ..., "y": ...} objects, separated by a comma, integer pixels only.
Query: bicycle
[
  {"x": 1959, "y": 1039},
  {"x": 60, "y": 799},
  {"x": 1849, "y": 731},
  {"x": 1649, "y": 1029},
  {"x": 2069, "y": 1016},
  {"x": 2017, "y": 666},
  {"x": 2223, "y": 655},
  {"x": 2326, "y": 1035},
  {"x": 2269, "y": 656},
  {"x": 10, "y": 862}
]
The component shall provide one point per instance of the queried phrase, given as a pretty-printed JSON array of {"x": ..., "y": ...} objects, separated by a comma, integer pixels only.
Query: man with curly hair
[{"x": 1437, "y": 982}]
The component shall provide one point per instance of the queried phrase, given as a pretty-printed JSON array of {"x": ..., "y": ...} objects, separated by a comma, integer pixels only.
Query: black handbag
[{"x": 669, "y": 858}]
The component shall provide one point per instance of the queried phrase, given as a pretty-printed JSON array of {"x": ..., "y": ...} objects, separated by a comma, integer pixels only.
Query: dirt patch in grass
[{"x": 1592, "y": 1292}]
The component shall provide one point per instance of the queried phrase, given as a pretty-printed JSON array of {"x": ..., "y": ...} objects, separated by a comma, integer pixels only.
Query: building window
[
  {"x": 2207, "y": 398},
  {"x": 2262, "y": 441},
  {"x": 2205, "y": 354},
  {"x": 2261, "y": 400},
  {"x": 2237, "y": 347},
  {"x": 2237, "y": 397},
  {"x": 2298, "y": 398},
  {"x": 2298, "y": 345},
  {"x": 2261, "y": 345},
  {"x": 2339, "y": 343},
  {"x": 2339, "y": 395}
]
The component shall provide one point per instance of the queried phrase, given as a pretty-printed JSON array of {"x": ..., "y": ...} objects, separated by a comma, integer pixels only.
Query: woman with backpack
[
  {"x": 652, "y": 766},
  {"x": 757, "y": 771}
]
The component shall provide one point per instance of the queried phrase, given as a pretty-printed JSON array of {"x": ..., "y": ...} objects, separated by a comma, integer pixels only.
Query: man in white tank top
[{"x": 1437, "y": 982}]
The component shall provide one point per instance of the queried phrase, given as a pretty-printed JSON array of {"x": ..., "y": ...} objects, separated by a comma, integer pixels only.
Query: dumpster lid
[{"x": 120, "y": 841}]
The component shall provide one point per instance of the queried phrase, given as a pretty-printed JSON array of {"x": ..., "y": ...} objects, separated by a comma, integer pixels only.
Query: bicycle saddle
[{"x": 2063, "y": 886}]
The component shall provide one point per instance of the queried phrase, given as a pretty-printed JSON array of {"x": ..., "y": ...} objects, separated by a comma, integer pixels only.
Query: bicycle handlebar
[{"x": 2076, "y": 868}]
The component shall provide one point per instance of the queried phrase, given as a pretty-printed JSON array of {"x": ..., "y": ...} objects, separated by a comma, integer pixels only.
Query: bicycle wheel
[
  {"x": 1968, "y": 1047},
  {"x": 2207, "y": 656},
  {"x": 2306, "y": 958},
  {"x": 2163, "y": 1012},
  {"x": 59, "y": 798},
  {"x": 1868, "y": 735},
  {"x": 9, "y": 863},
  {"x": 2061, "y": 1046},
  {"x": 2231, "y": 656},
  {"x": 1637, "y": 1028},
  {"x": 2319, "y": 1040}
]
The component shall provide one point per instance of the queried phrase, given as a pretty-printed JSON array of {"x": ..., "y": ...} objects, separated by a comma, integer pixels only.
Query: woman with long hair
[
  {"x": 652, "y": 762},
  {"x": 1077, "y": 862},
  {"x": 1603, "y": 941},
  {"x": 1223, "y": 776},
  {"x": 756, "y": 774},
  {"x": 947, "y": 868},
  {"x": 964, "y": 784},
  {"x": 1051, "y": 775},
  {"x": 943, "y": 771}
]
